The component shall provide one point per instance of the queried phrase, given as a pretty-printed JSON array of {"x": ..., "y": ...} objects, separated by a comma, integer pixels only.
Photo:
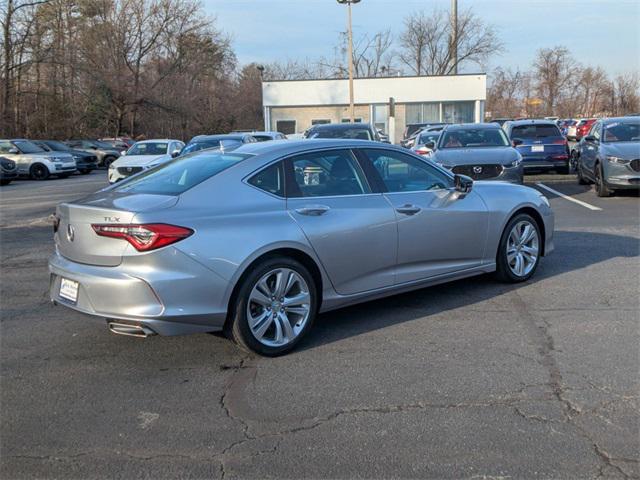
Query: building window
[
  {"x": 458, "y": 112},
  {"x": 288, "y": 127},
  {"x": 348, "y": 120},
  {"x": 320, "y": 122},
  {"x": 422, "y": 112}
]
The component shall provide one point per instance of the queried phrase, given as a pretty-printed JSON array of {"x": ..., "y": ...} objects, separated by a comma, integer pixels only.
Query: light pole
[{"x": 350, "y": 30}]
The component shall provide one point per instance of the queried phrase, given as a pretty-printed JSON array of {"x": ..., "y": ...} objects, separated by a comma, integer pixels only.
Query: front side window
[
  {"x": 622, "y": 132},
  {"x": 403, "y": 173},
  {"x": 328, "y": 173},
  {"x": 474, "y": 138},
  {"x": 150, "y": 148},
  {"x": 178, "y": 176},
  {"x": 25, "y": 146},
  {"x": 271, "y": 180}
]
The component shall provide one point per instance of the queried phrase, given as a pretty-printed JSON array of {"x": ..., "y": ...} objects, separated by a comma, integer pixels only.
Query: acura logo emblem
[
  {"x": 477, "y": 169},
  {"x": 129, "y": 169},
  {"x": 70, "y": 233}
]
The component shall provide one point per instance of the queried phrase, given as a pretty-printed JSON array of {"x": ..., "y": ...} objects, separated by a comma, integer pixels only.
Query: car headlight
[{"x": 618, "y": 160}]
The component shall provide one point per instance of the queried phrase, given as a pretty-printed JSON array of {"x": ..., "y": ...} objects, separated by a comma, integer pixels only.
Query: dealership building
[{"x": 292, "y": 106}]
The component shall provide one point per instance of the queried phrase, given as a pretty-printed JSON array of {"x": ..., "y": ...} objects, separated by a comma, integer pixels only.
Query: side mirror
[
  {"x": 175, "y": 153},
  {"x": 430, "y": 145},
  {"x": 516, "y": 141},
  {"x": 13, "y": 150},
  {"x": 462, "y": 183},
  {"x": 590, "y": 139}
]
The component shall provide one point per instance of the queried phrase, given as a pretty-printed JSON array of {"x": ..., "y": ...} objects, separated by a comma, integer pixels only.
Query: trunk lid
[{"x": 75, "y": 238}]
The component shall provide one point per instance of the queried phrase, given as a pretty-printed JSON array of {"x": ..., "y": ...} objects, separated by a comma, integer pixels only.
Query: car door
[
  {"x": 589, "y": 150},
  {"x": 352, "y": 229},
  {"x": 440, "y": 231}
]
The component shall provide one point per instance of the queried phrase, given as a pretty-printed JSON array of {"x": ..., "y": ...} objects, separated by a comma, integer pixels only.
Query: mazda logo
[
  {"x": 129, "y": 169},
  {"x": 477, "y": 169},
  {"x": 70, "y": 233}
]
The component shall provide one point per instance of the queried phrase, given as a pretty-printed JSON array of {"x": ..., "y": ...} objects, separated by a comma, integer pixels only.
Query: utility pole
[
  {"x": 454, "y": 35},
  {"x": 350, "y": 33}
]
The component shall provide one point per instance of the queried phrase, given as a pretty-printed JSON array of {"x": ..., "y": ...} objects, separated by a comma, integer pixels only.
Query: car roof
[
  {"x": 295, "y": 146},
  {"x": 532, "y": 121},
  {"x": 155, "y": 140},
  {"x": 625, "y": 119},
  {"x": 475, "y": 126},
  {"x": 225, "y": 136},
  {"x": 340, "y": 126}
]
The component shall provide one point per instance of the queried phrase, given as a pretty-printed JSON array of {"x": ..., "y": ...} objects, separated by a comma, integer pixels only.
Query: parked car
[
  {"x": 411, "y": 132},
  {"x": 85, "y": 162},
  {"x": 257, "y": 241},
  {"x": 610, "y": 155},
  {"x": 501, "y": 121},
  {"x": 8, "y": 171},
  {"x": 351, "y": 131},
  {"x": 478, "y": 150},
  {"x": 426, "y": 140},
  {"x": 227, "y": 142},
  {"x": 119, "y": 143},
  {"x": 33, "y": 161},
  {"x": 105, "y": 152},
  {"x": 142, "y": 156},
  {"x": 540, "y": 143},
  {"x": 268, "y": 136},
  {"x": 564, "y": 126},
  {"x": 583, "y": 127}
]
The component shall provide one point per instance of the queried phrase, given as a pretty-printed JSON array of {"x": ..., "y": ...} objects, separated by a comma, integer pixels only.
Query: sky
[{"x": 602, "y": 33}]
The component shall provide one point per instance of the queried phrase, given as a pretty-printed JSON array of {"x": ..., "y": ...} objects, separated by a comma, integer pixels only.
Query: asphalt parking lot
[{"x": 473, "y": 379}]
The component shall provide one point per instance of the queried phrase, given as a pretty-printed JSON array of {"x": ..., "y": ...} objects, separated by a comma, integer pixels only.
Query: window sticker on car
[{"x": 611, "y": 125}]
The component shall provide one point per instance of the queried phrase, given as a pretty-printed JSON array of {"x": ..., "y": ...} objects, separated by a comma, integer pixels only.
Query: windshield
[
  {"x": 195, "y": 146},
  {"x": 26, "y": 146},
  {"x": 178, "y": 176},
  {"x": 535, "y": 131},
  {"x": 427, "y": 137},
  {"x": 474, "y": 138},
  {"x": 149, "y": 148},
  {"x": 351, "y": 133},
  {"x": 57, "y": 146},
  {"x": 622, "y": 132}
]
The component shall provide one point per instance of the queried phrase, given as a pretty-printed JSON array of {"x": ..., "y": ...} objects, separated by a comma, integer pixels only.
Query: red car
[{"x": 583, "y": 127}]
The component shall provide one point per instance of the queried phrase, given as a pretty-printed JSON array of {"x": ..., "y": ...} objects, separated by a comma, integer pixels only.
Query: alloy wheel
[
  {"x": 522, "y": 248},
  {"x": 279, "y": 307},
  {"x": 39, "y": 172}
]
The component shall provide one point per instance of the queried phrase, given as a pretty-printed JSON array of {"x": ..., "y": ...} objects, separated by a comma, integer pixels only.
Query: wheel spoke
[
  {"x": 261, "y": 327},
  {"x": 282, "y": 276},
  {"x": 258, "y": 297},
  {"x": 291, "y": 281},
  {"x": 530, "y": 250},
  {"x": 263, "y": 287},
  {"x": 287, "y": 331},
  {"x": 279, "y": 337},
  {"x": 526, "y": 232},
  {"x": 519, "y": 264},
  {"x": 302, "y": 311},
  {"x": 300, "y": 299}
]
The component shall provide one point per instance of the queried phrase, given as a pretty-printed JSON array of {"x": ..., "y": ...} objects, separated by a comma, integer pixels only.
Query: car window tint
[
  {"x": 328, "y": 173},
  {"x": 595, "y": 130},
  {"x": 404, "y": 173},
  {"x": 622, "y": 132},
  {"x": 5, "y": 147},
  {"x": 270, "y": 180},
  {"x": 535, "y": 131},
  {"x": 183, "y": 173}
]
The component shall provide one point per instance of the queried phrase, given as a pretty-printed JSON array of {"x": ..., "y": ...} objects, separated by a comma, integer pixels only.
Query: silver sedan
[{"x": 258, "y": 240}]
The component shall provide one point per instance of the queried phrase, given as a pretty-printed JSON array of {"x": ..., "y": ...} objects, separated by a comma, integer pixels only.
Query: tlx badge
[{"x": 112, "y": 219}]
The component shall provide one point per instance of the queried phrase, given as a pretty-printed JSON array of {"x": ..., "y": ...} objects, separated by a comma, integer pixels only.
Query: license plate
[
  {"x": 537, "y": 148},
  {"x": 69, "y": 290}
]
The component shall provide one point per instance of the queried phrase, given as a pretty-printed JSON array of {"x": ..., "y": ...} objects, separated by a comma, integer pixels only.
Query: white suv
[
  {"x": 33, "y": 161},
  {"x": 142, "y": 156}
]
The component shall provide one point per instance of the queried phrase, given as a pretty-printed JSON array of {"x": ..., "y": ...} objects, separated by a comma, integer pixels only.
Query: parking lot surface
[{"x": 473, "y": 379}]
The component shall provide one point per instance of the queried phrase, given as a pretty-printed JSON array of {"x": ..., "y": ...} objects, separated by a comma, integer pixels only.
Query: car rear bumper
[
  {"x": 170, "y": 294},
  {"x": 8, "y": 174}
]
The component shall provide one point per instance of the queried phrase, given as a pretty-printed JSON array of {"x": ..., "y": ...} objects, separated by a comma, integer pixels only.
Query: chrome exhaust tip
[{"x": 139, "y": 331}]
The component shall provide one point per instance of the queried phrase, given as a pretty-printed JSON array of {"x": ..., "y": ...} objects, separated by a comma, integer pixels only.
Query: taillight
[
  {"x": 144, "y": 237},
  {"x": 423, "y": 151},
  {"x": 560, "y": 141}
]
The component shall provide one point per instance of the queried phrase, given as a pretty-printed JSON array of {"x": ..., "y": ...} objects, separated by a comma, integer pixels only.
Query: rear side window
[
  {"x": 183, "y": 173},
  {"x": 271, "y": 180},
  {"x": 328, "y": 173},
  {"x": 535, "y": 131}
]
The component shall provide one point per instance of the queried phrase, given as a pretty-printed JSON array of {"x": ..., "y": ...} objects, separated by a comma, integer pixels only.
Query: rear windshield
[
  {"x": 474, "y": 138},
  {"x": 535, "y": 131},
  {"x": 195, "y": 146},
  {"x": 181, "y": 174},
  {"x": 622, "y": 132},
  {"x": 351, "y": 133},
  {"x": 427, "y": 137}
]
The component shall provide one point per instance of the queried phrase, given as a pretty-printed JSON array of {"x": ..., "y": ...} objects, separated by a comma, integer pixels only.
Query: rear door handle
[
  {"x": 408, "y": 209},
  {"x": 313, "y": 210}
]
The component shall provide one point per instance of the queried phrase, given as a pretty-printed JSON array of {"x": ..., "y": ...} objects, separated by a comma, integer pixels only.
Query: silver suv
[
  {"x": 35, "y": 162},
  {"x": 106, "y": 153}
]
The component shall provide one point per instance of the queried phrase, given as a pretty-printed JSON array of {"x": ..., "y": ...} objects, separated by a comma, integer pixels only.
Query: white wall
[{"x": 375, "y": 90}]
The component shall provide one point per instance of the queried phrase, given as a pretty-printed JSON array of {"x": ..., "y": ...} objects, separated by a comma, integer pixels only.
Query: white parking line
[{"x": 567, "y": 197}]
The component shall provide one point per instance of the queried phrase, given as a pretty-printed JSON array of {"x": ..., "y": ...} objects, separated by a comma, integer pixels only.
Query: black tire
[
  {"x": 582, "y": 180},
  {"x": 564, "y": 170},
  {"x": 108, "y": 160},
  {"x": 504, "y": 272},
  {"x": 5, "y": 181},
  {"x": 573, "y": 160},
  {"x": 39, "y": 171},
  {"x": 238, "y": 327},
  {"x": 85, "y": 171},
  {"x": 601, "y": 186}
]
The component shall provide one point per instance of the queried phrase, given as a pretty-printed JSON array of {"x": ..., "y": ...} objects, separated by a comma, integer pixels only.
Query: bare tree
[
  {"x": 554, "y": 69},
  {"x": 426, "y": 42},
  {"x": 505, "y": 93}
]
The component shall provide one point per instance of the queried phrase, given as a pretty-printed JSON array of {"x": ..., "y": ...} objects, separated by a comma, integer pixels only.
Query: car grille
[
  {"x": 635, "y": 165},
  {"x": 7, "y": 164},
  {"x": 129, "y": 170},
  {"x": 478, "y": 172}
]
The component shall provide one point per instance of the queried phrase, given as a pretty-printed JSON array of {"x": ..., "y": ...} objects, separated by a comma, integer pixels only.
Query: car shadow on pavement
[{"x": 574, "y": 251}]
